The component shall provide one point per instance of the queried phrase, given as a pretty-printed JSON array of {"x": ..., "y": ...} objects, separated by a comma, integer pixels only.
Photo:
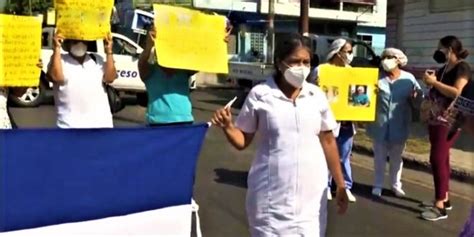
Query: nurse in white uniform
[{"x": 288, "y": 178}]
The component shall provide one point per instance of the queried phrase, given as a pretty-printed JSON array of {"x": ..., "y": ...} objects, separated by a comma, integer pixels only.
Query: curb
[{"x": 410, "y": 161}]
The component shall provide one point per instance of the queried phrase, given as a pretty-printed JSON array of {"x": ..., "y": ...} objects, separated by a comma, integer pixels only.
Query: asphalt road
[{"x": 221, "y": 183}]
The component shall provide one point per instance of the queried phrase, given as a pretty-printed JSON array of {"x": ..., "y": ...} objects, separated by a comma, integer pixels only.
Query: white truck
[
  {"x": 126, "y": 53},
  {"x": 246, "y": 74}
]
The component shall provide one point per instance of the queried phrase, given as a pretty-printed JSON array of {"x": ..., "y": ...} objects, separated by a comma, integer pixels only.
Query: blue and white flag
[{"x": 52, "y": 176}]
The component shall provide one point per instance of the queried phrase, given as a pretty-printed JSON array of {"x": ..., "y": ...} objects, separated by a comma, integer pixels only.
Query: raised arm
[
  {"x": 110, "y": 73},
  {"x": 55, "y": 68},
  {"x": 143, "y": 65}
]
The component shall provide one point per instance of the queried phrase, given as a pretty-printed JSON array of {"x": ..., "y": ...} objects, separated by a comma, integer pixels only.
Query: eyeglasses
[
  {"x": 389, "y": 57},
  {"x": 349, "y": 52}
]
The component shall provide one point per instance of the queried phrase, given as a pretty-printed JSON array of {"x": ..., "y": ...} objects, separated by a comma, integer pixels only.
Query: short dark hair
[
  {"x": 455, "y": 44},
  {"x": 286, "y": 45}
]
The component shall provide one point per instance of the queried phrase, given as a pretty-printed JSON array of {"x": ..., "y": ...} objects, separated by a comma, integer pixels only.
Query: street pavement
[{"x": 221, "y": 183}]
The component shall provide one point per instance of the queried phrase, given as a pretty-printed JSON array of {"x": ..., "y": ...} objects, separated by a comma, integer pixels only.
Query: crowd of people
[{"x": 302, "y": 150}]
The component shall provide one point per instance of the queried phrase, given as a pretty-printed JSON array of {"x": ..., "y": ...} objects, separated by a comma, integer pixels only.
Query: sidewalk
[{"x": 462, "y": 154}]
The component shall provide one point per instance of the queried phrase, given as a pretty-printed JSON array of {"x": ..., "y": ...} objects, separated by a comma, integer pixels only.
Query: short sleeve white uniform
[
  {"x": 82, "y": 101},
  {"x": 289, "y": 175}
]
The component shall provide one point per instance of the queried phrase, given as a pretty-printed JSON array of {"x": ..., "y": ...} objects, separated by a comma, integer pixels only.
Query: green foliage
[{"x": 22, "y": 7}]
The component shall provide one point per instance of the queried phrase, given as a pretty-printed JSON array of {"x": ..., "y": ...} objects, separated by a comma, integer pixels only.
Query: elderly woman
[{"x": 397, "y": 88}]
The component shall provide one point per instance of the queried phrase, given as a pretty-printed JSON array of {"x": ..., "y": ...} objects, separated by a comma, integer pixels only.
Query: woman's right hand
[
  {"x": 57, "y": 41},
  {"x": 342, "y": 200},
  {"x": 150, "y": 40},
  {"x": 222, "y": 118}
]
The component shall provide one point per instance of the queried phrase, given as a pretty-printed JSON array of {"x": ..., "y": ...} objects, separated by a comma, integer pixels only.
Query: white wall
[
  {"x": 421, "y": 30},
  {"x": 292, "y": 8}
]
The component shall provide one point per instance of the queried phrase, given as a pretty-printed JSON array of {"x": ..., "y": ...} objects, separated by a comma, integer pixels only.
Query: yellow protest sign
[
  {"x": 83, "y": 19},
  {"x": 188, "y": 39},
  {"x": 20, "y": 47},
  {"x": 350, "y": 91}
]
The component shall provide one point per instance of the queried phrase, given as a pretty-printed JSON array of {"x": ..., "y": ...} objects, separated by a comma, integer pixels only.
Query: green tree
[{"x": 27, "y": 7}]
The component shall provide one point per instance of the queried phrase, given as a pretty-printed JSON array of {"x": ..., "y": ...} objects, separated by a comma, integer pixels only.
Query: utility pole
[
  {"x": 270, "y": 32},
  {"x": 304, "y": 17},
  {"x": 31, "y": 10}
]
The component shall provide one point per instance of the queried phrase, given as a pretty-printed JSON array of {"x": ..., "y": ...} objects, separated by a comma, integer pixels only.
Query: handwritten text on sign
[
  {"x": 187, "y": 39},
  {"x": 20, "y": 47},
  {"x": 84, "y": 19}
]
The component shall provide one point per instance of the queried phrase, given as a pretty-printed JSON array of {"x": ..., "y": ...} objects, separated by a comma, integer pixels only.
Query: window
[
  {"x": 447, "y": 6},
  {"x": 122, "y": 47},
  {"x": 360, "y": 50}
]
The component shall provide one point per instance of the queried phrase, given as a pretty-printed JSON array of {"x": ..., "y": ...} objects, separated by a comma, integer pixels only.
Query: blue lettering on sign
[{"x": 127, "y": 74}]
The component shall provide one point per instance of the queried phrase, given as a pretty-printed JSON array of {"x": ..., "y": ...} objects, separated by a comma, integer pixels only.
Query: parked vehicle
[
  {"x": 246, "y": 73},
  {"x": 126, "y": 53}
]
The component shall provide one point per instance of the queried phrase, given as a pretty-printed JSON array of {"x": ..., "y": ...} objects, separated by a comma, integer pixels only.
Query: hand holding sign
[
  {"x": 191, "y": 40},
  {"x": 20, "y": 45},
  {"x": 84, "y": 19}
]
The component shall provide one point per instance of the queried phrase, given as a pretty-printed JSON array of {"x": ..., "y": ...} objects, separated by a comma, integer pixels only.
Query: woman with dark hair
[
  {"x": 287, "y": 181},
  {"x": 446, "y": 84}
]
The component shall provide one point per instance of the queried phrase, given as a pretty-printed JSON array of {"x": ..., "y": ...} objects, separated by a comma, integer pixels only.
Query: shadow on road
[
  {"x": 365, "y": 190},
  {"x": 232, "y": 177}
]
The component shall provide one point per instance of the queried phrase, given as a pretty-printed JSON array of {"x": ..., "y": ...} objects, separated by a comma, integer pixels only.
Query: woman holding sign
[
  {"x": 397, "y": 89},
  {"x": 168, "y": 97},
  {"x": 340, "y": 55},
  {"x": 288, "y": 178},
  {"x": 78, "y": 77}
]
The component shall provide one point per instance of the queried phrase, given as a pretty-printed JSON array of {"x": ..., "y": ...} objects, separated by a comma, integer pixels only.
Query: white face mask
[
  {"x": 389, "y": 64},
  {"x": 349, "y": 58},
  {"x": 346, "y": 57},
  {"x": 296, "y": 75},
  {"x": 78, "y": 49}
]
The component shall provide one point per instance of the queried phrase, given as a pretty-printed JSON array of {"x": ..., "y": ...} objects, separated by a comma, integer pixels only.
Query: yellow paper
[
  {"x": 20, "y": 47},
  {"x": 188, "y": 39},
  {"x": 51, "y": 17},
  {"x": 341, "y": 88},
  {"x": 84, "y": 19}
]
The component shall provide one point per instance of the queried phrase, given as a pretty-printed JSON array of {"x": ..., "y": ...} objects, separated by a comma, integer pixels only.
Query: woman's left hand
[
  {"x": 40, "y": 64},
  {"x": 108, "y": 44},
  {"x": 376, "y": 88},
  {"x": 342, "y": 200}
]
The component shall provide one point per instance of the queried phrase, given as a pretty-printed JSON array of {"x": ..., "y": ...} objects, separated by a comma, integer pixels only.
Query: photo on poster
[{"x": 359, "y": 96}]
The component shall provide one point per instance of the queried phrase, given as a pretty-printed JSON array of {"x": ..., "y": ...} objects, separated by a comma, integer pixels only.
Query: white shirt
[
  {"x": 289, "y": 174},
  {"x": 4, "y": 119},
  {"x": 82, "y": 101}
]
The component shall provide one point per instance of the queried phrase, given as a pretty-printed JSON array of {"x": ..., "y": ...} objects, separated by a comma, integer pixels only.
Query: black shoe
[{"x": 435, "y": 214}]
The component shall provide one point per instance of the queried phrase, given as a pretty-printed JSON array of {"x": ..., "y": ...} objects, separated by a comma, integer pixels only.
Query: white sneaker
[
  {"x": 329, "y": 194},
  {"x": 377, "y": 192},
  {"x": 350, "y": 196},
  {"x": 398, "y": 192}
]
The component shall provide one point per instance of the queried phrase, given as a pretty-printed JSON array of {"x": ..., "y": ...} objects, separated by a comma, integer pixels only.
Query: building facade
[{"x": 415, "y": 26}]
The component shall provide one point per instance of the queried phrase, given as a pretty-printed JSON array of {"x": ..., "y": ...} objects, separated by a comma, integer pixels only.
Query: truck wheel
[{"x": 33, "y": 96}]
